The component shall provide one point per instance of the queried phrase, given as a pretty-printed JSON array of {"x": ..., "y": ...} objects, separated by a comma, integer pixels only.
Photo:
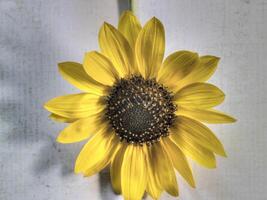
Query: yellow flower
[{"x": 142, "y": 114}]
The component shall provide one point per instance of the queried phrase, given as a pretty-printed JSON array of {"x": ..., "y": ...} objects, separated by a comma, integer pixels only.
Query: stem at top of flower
[{"x": 132, "y": 5}]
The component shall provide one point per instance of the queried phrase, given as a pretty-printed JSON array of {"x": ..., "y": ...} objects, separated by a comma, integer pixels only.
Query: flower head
[{"x": 142, "y": 113}]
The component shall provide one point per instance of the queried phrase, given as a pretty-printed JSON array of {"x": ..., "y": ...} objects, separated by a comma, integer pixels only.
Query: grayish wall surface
[{"x": 37, "y": 34}]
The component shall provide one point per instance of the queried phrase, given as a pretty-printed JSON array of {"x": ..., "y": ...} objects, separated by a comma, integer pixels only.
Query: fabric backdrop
[{"x": 37, "y": 34}]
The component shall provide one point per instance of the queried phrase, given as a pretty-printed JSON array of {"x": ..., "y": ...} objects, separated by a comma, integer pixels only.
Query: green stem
[{"x": 132, "y": 6}]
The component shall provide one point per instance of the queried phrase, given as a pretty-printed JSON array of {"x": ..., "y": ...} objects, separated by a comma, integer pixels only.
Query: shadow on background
[
  {"x": 27, "y": 53},
  {"x": 105, "y": 185},
  {"x": 123, "y": 5}
]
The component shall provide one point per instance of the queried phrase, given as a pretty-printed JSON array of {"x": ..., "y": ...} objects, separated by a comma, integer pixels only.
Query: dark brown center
[{"x": 140, "y": 111}]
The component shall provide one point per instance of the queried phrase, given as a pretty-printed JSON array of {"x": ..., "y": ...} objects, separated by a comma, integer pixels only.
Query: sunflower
[{"x": 142, "y": 113}]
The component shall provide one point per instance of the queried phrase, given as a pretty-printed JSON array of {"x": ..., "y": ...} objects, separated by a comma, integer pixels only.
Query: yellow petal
[
  {"x": 191, "y": 129},
  {"x": 59, "y": 118},
  {"x": 115, "y": 168},
  {"x": 205, "y": 115},
  {"x": 199, "y": 95},
  {"x": 179, "y": 161},
  {"x": 153, "y": 185},
  {"x": 81, "y": 129},
  {"x": 96, "y": 154},
  {"x": 201, "y": 73},
  {"x": 195, "y": 151},
  {"x": 133, "y": 173},
  {"x": 75, "y": 74},
  {"x": 100, "y": 68},
  {"x": 150, "y": 47},
  {"x": 130, "y": 27},
  {"x": 75, "y": 105},
  {"x": 164, "y": 169},
  {"x": 114, "y": 45},
  {"x": 177, "y": 66}
]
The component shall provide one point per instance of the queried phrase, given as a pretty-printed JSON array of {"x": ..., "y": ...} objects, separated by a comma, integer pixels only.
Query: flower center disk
[{"x": 140, "y": 111}]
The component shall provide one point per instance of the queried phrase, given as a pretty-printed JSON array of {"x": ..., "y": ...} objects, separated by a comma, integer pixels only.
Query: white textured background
[{"x": 37, "y": 34}]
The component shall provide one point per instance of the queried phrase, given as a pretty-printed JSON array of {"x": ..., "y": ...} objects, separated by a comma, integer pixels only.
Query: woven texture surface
[{"x": 37, "y": 34}]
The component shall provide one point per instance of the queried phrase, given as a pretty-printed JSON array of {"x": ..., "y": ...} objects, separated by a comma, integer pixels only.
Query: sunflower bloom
[{"x": 141, "y": 112}]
